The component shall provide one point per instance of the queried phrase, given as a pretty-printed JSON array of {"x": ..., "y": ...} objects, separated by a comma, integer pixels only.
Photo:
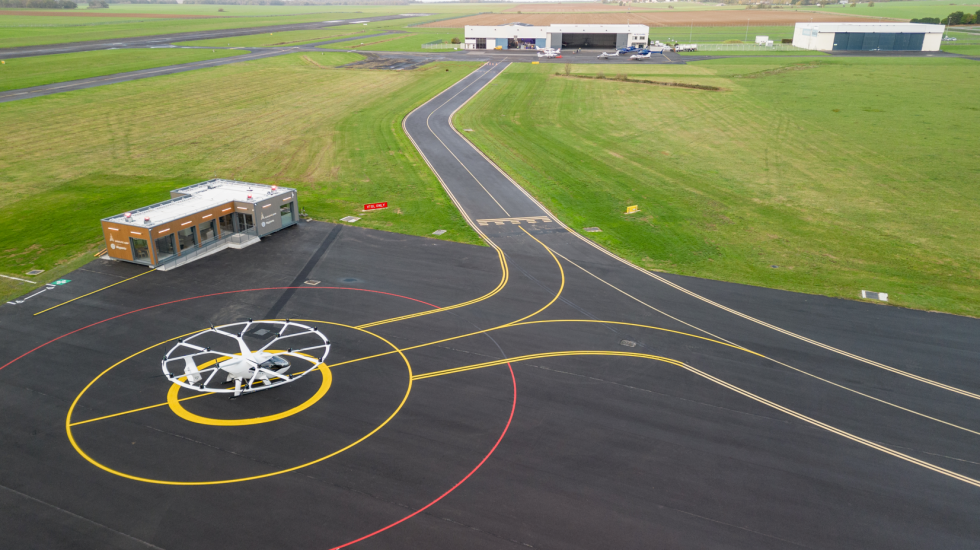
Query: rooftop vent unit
[
  {"x": 128, "y": 216},
  {"x": 146, "y": 220},
  {"x": 249, "y": 196}
]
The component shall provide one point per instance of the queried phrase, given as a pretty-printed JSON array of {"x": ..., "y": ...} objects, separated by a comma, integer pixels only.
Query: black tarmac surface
[{"x": 543, "y": 394}]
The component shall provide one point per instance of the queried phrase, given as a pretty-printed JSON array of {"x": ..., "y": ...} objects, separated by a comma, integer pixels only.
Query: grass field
[
  {"x": 46, "y": 69},
  {"x": 847, "y": 174},
  {"x": 294, "y": 38},
  {"x": 25, "y": 30},
  {"x": 967, "y": 43},
  {"x": 800, "y": 53},
  {"x": 288, "y": 38},
  {"x": 282, "y": 120},
  {"x": 410, "y": 41},
  {"x": 699, "y": 35},
  {"x": 13, "y": 34},
  {"x": 901, "y": 10}
]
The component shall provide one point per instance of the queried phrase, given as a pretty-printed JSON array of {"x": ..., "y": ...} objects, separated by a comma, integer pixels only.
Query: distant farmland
[{"x": 679, "y": 18}]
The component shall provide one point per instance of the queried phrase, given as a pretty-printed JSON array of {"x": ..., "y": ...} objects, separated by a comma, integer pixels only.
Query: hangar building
[
  {"x": 520, "y": 36},
  {"x": 198, "y": 220},
  {"x": 868, "y": 37}
]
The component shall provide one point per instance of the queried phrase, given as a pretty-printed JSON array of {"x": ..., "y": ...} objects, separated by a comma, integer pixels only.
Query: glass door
[
  {"x": 165, "y": 247},
  {"x": 141, "y": 250}
]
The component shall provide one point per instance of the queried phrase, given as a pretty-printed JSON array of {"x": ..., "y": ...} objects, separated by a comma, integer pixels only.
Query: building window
[
  {"x": 286, "y": 213},
  {"x": 481, "y": 43},
  {"x": 141, "y": 249},
  {"x": 225, "y": 225},
  {"x": 165, "y": 247},
  {"x": 187, "y": 238},
  {"x": 206, "y": 231},
  {"x": 244, "y": 221}
]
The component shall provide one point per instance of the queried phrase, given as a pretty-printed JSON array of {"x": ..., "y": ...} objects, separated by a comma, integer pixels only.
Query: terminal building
[
  {"x": 520, "y": 36},
  {"x": 868, "y": 37},
  {"x": 198, "y": 220}
]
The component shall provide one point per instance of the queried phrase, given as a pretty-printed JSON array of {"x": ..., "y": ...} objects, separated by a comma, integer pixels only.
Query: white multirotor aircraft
[{"x": 251, "y": 371}]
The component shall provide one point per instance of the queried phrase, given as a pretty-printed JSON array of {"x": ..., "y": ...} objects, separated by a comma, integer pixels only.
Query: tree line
[{"x": 955, "y": 18}]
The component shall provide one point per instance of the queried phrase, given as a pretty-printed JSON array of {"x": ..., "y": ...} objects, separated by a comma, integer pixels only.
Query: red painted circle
[{"x": 385, "y": 528}]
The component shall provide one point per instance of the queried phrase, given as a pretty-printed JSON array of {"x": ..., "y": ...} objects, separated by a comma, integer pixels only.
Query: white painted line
[{"x": 16, "y": 279}]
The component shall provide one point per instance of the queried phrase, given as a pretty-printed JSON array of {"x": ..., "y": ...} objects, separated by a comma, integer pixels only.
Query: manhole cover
[
  {"x": 627, "y": 343},
  {"x": 592, "y": 230},
  {"x": 438, "y": 231},
  {"x": 350, "y": 219},
  {"x": 311, "y": 282},
  {"x": 35, "y": 272}
]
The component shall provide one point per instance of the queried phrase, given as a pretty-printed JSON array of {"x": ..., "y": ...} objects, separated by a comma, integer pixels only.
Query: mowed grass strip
[
  {"x": 845, "y": 174},
  {"x": 25, "y": 72},
  {"x": 24, "y": 30},
  {"x": 410, "y": 41},
  {"x": 335, "y": 134}
]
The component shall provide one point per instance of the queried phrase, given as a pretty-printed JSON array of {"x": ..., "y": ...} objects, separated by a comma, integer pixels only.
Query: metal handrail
[{"x": 187, "y": 256}]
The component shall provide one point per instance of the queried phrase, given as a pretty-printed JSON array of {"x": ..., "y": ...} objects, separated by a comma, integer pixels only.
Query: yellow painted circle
[
  {"x": 180, "y": 411},
  {"x": 78, "y": 449}
]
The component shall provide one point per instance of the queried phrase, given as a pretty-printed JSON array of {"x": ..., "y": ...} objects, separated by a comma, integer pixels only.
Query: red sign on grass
[{"x": 376, "y": 205}]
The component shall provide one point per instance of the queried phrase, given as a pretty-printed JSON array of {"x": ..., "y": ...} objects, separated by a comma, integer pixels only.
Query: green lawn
[
  {"x": 23, "y": 30},
  {"x": 288, "y": 38},
  {"x": 967, "y": 43},
  {"x": 411, "y": 41},
  {"x": 294, "y": 38},
  {"x": 699, "y": 35},
  {"x": 800, "y": 53},
  {"x": 283, "y": 120},
  {"x": 46, "y": 69},
  {"x": 847, "y": 174},
  {"x": 901, "y": 10}
]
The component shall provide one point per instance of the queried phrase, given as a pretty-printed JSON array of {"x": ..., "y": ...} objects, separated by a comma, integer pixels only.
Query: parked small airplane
[
  {"x": 549, "y": 52},
  {"x": 640, "y": 55},
  {"x": 605, "y": 55}
]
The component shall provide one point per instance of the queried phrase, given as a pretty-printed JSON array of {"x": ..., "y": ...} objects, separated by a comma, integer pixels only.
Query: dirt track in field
[
  {"x": 100, "y": 13},
  {"x": 720, "y": 18}
]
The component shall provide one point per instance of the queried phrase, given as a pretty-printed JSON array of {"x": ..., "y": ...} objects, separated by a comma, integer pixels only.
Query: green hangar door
[
  {"x": 878, "y": 41},
  {"x": 604, "y": 41}
]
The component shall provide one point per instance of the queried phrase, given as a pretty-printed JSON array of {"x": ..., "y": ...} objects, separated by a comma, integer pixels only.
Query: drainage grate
[
  {"x": 880, "y": 296},
  {"x": 592, "y": 230},
  {"x": 438, "y": 231},
  {"x": 311, "y": 282},
  {"x": 35, "y": 272},
  {"x": 627, "y": 343}
]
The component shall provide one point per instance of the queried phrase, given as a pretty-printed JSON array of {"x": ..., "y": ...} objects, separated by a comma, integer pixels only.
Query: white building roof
[
  {"x": 199, "y": 197},
  {"x": 872, "y": 27}
]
